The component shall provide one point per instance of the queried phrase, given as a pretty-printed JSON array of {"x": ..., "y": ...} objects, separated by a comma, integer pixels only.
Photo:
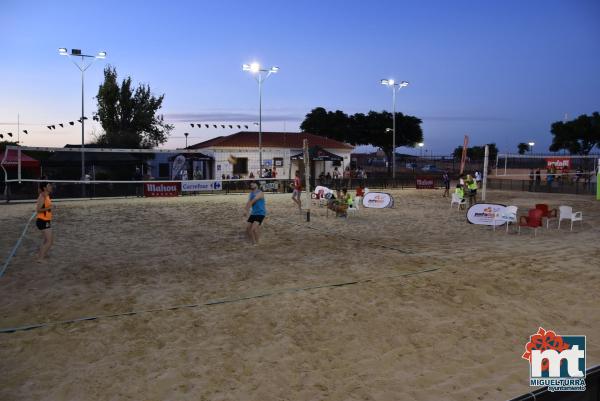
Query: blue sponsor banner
[{"x": 201, "y": 185}]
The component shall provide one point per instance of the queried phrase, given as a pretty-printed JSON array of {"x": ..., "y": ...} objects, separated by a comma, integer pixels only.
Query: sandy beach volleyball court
[{"x": 453, "y": 332}]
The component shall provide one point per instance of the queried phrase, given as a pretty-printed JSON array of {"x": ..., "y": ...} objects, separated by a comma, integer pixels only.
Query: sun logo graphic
[{"x": 557, "y": 362}]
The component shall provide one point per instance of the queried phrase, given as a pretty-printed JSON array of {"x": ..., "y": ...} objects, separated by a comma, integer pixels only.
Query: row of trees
[
  {"x": 373, "y": 128},
  {"x": 578, "y": 136},
  {"x": 129, "y": 118}
]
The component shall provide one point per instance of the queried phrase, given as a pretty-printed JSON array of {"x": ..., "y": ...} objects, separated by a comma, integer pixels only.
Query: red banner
[
  {"x": 153, "y": 189},
  {"x": 558, "y": 163},
  {"x": 425, "y": 183},
  {"x": 463, "y": 158}
]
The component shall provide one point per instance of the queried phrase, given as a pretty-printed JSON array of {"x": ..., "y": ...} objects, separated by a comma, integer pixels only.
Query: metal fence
[
  {"x": 28, "y": 190},
  {"x": 587, "y": 187}
]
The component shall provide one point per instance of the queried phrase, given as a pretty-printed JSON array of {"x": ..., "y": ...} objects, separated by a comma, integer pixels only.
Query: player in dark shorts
[
  {"x": 258, "y": 211},
  {"x": 44, "y": 218}
]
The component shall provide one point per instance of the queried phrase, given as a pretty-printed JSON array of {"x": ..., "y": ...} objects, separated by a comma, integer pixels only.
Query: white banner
[
  {"x": 483, "y": 213},
  {"x": 201, "y": 185},
  {"x": 378, "y": 200}
]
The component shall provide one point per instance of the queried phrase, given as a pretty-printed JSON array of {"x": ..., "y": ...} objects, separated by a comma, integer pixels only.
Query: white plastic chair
[
  {"x": 458, "y": 201},
  {"x": 355, "y": 204},
  {"x": 509, "y": 216},
  {"x": 566, "y": 213}
]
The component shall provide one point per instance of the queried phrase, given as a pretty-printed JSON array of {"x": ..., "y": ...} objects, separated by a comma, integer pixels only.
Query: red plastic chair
[
  {"x": 547, "y": 213},
  {"x": 532, "y": 220}
]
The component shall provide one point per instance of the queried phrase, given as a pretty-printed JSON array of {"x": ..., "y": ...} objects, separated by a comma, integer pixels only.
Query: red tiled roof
[{"x": 247, "y": 139}]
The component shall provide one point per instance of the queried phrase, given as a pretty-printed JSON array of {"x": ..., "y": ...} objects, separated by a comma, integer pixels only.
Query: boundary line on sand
[
  {"x": 212, "y": 302},
  {"x": 14, "y": 250}
]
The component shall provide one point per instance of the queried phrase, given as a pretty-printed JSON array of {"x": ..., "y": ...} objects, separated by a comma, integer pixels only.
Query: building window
[
  {"x": 241, "y": 166},
  {"x": 278, "y": 161},
  {"x": 163, "y": 170}
]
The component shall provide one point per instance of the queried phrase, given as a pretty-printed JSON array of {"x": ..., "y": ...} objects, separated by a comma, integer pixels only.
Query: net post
[
  {"x": 306, "y": 177},
  {"x": 19, "y": 164},
  {"x": 485, "y": 172}
]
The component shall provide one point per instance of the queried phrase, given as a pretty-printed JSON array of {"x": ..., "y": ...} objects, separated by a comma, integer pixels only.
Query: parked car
[
  {"x": 431, "y": 168},
  {"x": 411, "y": 165}
]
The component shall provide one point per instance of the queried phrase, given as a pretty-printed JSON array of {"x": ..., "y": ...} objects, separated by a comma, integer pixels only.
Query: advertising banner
[
  {"x": 559, "y": 163},
  {"x": 378, "y": 200},
  {"x": 178, "y": 165},
  {"x": 483, "y": 213},
  {"x": 153, "y": 189},
  {"x": 425, "y": 183},
  {"x": 201, "y": 185},
  {"x": 463, "y": 157}
]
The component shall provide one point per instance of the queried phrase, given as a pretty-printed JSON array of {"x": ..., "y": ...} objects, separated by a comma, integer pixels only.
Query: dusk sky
[{"x": 498, "y": 71}]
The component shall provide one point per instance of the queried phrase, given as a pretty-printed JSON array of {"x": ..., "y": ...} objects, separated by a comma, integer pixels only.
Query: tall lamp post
[
  {"x": 261, "y": 76},
  {"x": 531, "y": 146},
  {"x": 186, "y": 135},
  {"x": 420, "y": 145},
  {"x": 395, "y": 86},
  {"x": 83, "y": 65}
]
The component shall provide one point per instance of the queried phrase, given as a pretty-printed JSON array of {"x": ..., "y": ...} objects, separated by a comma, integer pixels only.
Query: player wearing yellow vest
[
  {"x": 44, "y": 218},
  {"x": 472, "y": 189}
]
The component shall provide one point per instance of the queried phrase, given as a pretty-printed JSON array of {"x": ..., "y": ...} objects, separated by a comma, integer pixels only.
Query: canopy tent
[
  {"x": 12, "y": 160},
  {"x": 193, "y": 156},
  {"x": 317, "y": 153}
]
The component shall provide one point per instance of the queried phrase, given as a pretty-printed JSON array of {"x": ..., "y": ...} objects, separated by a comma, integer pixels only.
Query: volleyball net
[{"x": 102, "y": 172}]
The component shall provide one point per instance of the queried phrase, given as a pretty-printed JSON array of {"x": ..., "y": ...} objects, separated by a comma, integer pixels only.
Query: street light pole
[
  {"x": 82, "y": 67},
  {"x": 531, "y": 146},
  {"x": 186, "y": 135},
  {"x": 395, "y": 86},
  {"x": 261, "y": 76}
]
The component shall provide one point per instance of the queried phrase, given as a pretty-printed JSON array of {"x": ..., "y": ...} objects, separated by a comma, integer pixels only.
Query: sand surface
[{"x": 455, "y": 333}]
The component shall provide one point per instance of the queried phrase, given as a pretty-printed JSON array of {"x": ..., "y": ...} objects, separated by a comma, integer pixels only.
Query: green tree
[
  {"x": 523, "y": 148},
  {"x": 364, "y": 129},
  {"x": 476, "y": 152},
  {"x": 129, "y": 115},
  {"x": 578, "y": 136}
]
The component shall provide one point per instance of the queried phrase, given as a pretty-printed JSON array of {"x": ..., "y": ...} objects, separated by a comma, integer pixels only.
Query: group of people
[
  {"x": 466, "y": 186},
  {"x": 255, "y": 208}
]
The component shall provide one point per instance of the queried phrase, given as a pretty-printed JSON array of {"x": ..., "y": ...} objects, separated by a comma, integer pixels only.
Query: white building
[{"x": 237, "y": 154}]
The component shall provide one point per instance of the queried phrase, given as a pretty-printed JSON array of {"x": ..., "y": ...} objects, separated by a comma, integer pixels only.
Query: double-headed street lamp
[
  {"x": 531, "y": 146},
  {"x": 261, "y": 76},
  {"x": 395, "y": 86},
  {"x": 83, "y": 66},
  {"x": 420, "y": 145}
]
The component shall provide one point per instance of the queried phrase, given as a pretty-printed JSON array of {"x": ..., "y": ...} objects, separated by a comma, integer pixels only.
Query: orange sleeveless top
[{"x": 47, "y": 215}]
